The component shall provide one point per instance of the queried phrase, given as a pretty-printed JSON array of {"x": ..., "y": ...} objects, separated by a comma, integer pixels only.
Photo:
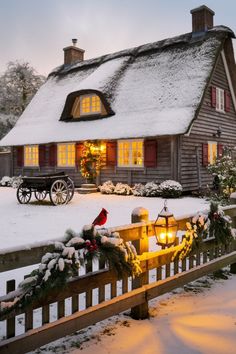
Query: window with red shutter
[
  {"x": 150, "y": 153},
  {"x": 78, "y": 153},
  {"x": 213, "y": 96},
  {"x": 205, "y": 154},
  {"x": 20, "y": 156},
  {"x": 53, "y": 155},
  {"x": 111, "y": 153},
  {"x": 227, "y": 101},
  {"x": 220, "y": 150},
  {"x": 42, "y": 155}
]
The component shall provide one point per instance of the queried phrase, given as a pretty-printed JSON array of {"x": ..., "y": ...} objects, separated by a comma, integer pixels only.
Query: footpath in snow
[{"x": 201, "y": 321}]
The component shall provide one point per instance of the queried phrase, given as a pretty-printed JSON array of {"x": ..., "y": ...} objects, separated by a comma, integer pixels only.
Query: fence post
[
  {"x": 140, "y": 214},
  {"x": 233, "y": 266}
]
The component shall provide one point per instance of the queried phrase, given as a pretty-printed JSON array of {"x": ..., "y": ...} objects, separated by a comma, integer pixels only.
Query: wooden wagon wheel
[
  {"x": 71, "y": 189},
  {"x": 23, "y": 194},
  {"x": 59, "y": 192},
  {"x": 40, "y": 195}
]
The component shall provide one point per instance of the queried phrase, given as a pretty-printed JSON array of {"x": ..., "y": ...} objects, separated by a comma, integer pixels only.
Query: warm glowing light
[
  {"x": 165, "y": 227},
  {"x": 130, "y": 153},
  {"x": 66, "y": 155},
  {"x": 31, "y": 155}
]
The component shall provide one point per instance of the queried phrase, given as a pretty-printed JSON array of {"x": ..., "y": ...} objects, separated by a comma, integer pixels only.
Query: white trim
[
  {"x": 130, "y": 141},
  {"x": 228, "y": 78},
  {"x": 220, "y": 93}
]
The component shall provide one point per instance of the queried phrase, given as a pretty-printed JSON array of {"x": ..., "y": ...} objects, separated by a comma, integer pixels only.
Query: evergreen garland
[
  {"x": 220, "y": 225},
  {"x": 66, "y": 258}
]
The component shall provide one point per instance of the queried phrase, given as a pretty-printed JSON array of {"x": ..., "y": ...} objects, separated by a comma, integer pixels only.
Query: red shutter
[
  {"x": 150, "y": 153},
  {"x": 53, "y": 155},
  {"x": 213, "y": 96},
  {"x": 78, "y": 152},
  {"x": 42, "y": 155},
  {"x": 205, "y": 154},
  {"x": 20, "y": 156},
  {"x": 220, "y": 150},
  {"x": 111, "y": 152},
  {"x": 227, "y": 101}
]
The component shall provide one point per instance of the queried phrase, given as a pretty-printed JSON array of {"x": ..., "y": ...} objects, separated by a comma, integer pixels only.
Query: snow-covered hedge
[
  {"x": 123, "y": 189},
  {"x": 167, "y": 189},
  {"x": 170, "y": 189},
  {"x": 107, "y": 187},
  {"x": 13, "y": 182}
]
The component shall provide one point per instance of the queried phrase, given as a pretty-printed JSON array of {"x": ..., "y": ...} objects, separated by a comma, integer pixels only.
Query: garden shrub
[
  {"x": 151, "y": 189},
  {"x": 107, "y": 187},
  {"x": 138, "y": 190},
  {"x": 123, "y": 189},
  {"x": 170, "y": 189}
]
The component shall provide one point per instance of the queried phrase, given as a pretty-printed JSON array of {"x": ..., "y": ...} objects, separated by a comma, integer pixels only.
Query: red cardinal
[{"x": 101, "y": 218}]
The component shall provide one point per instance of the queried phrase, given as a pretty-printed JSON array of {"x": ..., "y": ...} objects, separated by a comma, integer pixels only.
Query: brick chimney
[
  {"x": 73, "y": 53},
  {"x": 202, "y": 19}
]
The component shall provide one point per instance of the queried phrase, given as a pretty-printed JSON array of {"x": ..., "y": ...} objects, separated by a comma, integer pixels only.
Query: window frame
[
  {"x": 90, "y": 96},
  {"x": 59, "y": 157},
  {"x": 211, "y": 160},
  {"x": 220, "y": 100},
  {"x": 130, "y": 165},
  {"x": 32, "y": 157}
]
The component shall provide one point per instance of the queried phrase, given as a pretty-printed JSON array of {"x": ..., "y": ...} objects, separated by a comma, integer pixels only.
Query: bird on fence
[{"x": 101, "y": 218}]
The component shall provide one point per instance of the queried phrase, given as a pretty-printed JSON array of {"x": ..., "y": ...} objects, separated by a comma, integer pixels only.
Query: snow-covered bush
[
  {"x": 138, "y": 190},
  {"x": 11, "y": 181},
  {"x": 151, "y": 189},
  {"x": 122, "y": 189},
  {"x": 107, "y": 187},
  {"x": 170, "y": 189}
]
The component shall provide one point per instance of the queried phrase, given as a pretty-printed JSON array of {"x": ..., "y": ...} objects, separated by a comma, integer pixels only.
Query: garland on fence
[
  {"x": 66, "y": 258},
  {"x": 214, "y": 224}
]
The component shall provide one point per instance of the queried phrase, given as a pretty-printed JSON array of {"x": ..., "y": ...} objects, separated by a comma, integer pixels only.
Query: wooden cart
[{"x": 59, "y": 186}]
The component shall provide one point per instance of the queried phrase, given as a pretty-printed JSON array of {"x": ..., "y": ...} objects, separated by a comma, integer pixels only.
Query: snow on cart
[{"x": 59, "y": 187}]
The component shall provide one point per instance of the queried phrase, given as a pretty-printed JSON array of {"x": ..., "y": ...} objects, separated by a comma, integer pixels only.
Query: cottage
[{"x": 159, "y": 111}]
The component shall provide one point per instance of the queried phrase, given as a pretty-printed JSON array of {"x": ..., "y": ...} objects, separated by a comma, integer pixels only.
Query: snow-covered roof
[{"x": 154, "y": 90}]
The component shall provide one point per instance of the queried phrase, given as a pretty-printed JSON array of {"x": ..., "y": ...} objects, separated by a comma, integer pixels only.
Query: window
[
  {"x": 220, "y": 100},
  {"x": 130, "y": 153},
  {"x": 66, "y": 155},
  {"x": 86, "y": 105},
  {"x": 31, "y": 155},
  {"x": 212, "y": 152}
]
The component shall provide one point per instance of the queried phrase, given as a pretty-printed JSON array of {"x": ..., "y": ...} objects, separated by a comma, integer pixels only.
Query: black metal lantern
[{"x": 165, "y": 227}]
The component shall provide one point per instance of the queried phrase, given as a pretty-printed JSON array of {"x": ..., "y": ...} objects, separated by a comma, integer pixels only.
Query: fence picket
[{"x": 10, "y": 325}]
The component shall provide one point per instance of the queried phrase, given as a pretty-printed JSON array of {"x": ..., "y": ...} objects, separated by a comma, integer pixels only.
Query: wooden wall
[
  {"x": 204, "y": 127},
  {"x": 166, "y": 167}
]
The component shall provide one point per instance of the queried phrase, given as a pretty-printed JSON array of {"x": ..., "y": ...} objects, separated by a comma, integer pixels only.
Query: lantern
[{"x": 165, "y": 227}]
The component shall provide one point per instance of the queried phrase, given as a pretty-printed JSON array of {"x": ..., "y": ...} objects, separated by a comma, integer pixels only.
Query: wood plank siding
[
  {"x": 166, "y": 167},
  {"x": 203, "y": 130}
]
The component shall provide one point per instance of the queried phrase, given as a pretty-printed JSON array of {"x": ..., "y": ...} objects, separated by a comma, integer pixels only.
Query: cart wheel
[
  {"x": 23, "y": 195},
  {"x": 59, "y": 192},
  {"x": 71, "y": 189},
  {"x": 40, "y": 195}
]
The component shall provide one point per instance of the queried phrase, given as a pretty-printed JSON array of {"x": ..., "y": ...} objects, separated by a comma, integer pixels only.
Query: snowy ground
[
  {"x": 183, "y": 323},
  {"x": 201, "y": 321},
  {"x": 23, "y": 224}
]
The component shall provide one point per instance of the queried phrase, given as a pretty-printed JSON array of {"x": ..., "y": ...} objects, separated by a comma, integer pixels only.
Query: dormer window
[{"x": 86, "y": 105}]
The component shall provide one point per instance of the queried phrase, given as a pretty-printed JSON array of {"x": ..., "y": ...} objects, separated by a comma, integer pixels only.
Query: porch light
[{"x": 165, "y": 227}]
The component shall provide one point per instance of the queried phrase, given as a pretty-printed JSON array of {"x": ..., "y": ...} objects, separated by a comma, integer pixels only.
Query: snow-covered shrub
[
  {"x": 170, "y": 189},
  {"x": 122, "y": 189},
  {"x": 107, "y": 187},
  {"x": 151, "y": 189},
  {"x": 11, "y": 181},
  {"x": 138, "y": 190},
  {"x": 5, "y": 181}
]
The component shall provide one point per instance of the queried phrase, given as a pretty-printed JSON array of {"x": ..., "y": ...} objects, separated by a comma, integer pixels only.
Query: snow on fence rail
[{"x": 98, "y": 294}]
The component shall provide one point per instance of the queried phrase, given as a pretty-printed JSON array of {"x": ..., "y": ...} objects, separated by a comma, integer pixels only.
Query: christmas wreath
[{"x": 66, "y": 258}]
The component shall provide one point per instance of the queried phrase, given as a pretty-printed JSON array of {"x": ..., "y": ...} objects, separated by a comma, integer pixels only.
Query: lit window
[
  {"x": 130, "y": 153},
  {"x": 31, "y": 155},
  {"x": 220, "y": 100},
  {"x": 65, "y": 155},
  {"x": 85, "y": 105},
  {"x": 212, "y": 152}
]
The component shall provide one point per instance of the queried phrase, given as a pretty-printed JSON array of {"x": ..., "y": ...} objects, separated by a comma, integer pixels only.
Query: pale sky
[{"x": 37, "y": 30}]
